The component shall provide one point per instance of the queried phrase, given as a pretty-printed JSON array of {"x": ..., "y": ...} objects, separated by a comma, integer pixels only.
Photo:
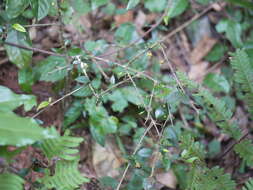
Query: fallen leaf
[
  {"x": 167, "y": 178},
  {"x": 106, "y": 160},
  {"x": 202, "y": 49},
  {"x": 197, "y": 70}
]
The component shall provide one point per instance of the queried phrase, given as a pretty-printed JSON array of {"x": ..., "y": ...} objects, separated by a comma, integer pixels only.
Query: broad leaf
[
  {"x": 177, "y": 8},
  {"x": 52, "y": 69},
  {"x": 20, "y": 131},
  {"x": 217, "y": 82},
  {"x": 132, "y": 3},
  {"x": 10, "y": 101},
  {"x": 41, "y": 8},
  {"x": 155, "y": 5},
  {"x": 18, "y": 56},
  {"x": 15, "y": 7}
]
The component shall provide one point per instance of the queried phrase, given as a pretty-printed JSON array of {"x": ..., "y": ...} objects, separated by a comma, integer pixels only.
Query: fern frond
[
  {"x": 244, "y": 75},
  {"x": 66, "y": 176},
  {"x": 191, "y": 148},
  {"x": 248, "y": 185},
  {"x": 10, "y": 181},
  {"x": 217, "y": 108},
  {"x": 63, "y": 147},
  {"x": 211, "y": 179},
  {"x": 245, "y": 151},
  {"x": 220, "y": 114}
]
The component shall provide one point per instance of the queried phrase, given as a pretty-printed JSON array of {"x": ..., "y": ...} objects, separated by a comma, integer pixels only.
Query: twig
[
  {"x": 143, "y": 35},
  {"x": 41, "y": 25},
  {"x": 5, "y": 60},
  {"x": 232, "y": 146},
  {"x": 33, "y": 49},
  {"x": 56, "y": 101}
]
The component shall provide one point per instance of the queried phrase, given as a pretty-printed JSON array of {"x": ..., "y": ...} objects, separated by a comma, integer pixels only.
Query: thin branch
[
  {"x": 232, "y": 146},
  {"x": 41, "y": 25},
  {"x": 34, "y": 49}
]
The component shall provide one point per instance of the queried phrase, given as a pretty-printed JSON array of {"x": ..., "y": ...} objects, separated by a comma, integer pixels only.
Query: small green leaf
[
  {"x": 132, "y": 3},
  {"x": 18, "y": 56},
  {"x": 18, "y": 27},
  {"x": 43, "y": 8},
  {"x": 192, "y": 159},
  {"x": 43, "y": 105},
  {"x": 155, "y": 5},
  {"x": 97, "y": 3},
  {"x": 177, "y": 8},
  {"x": 217, "y": 82},
  {"x": 145, "y": 152},
  {"x": 26, "y": 79}
]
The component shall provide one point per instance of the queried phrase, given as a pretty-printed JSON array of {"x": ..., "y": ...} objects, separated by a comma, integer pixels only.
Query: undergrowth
[{"x": 127, "y": 96}]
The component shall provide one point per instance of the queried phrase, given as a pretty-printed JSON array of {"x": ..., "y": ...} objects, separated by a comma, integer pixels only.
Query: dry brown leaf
[
  {"x": 140, "y": 19},
  {"x": 167, "y": 178},
  {"x": 202, "y": 49},
  {"x": 123, "y": 18},
  {"x": 107, "y": 160},
  {"x": 197, "y": 70}
]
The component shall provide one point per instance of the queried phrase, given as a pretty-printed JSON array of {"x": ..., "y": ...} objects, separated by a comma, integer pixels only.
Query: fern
[
  {"x": 191, "y": 149},
  {"x": 248, "y": 185},
  {"x": 217, "y": 108},
  {"x": 244, "y": 75},
  {"x": 220, "y": 114},
  {"x": 245, "y": 151},
  {"x": 210, "y": 179},
  {"x": 66, "y": 176},
  {"x": 63, "y": 147},
  {"x": 10, "y": 181}
]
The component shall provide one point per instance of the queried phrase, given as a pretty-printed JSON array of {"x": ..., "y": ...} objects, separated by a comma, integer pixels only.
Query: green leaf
[
  {"x": 10, "y": 101},
  {"x": 52, "y": 69},
  {"x": 15, "y": 7},
  {"x": 217, "y": 82},
  {"x": 41, "y": 8},
  {"x": 243, "y": 3},
  {"x": 233, "y": 31},
  {"x": 177, "y": 8},
  {"x": 248, "y": 185},
  {"x": 43, "y": 104},
  {"x": 8, "y": 155},
  {"x": 133, "y": 95},
  {"x": 125, "y": 34},
  {"x": 19, "y": 131},
  {"x": 10, "y": 181},
  {"x": 18, "y": 27},
  {"x": 73, "y": 112},
  {"x": 64, "y": 147},
  {"x": 155, "y": 5},
  {"x": 132, "y": 3},
  {"x": 100, "y": 122},
  {"x": 245, "y": 151},
  {"x": 66, "y": 176},
  {"x": 18, "y": 56},
  {"x": 145, "y": 152},
  {"x": 26, "y": 79},
  {"x": 81, "y": 6},
  {"x": 217, "y": 52},
  {"x": 97, "y": 3},
  {"x": 119, "y": 101},
  {"x": 242, "y": 65}
]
